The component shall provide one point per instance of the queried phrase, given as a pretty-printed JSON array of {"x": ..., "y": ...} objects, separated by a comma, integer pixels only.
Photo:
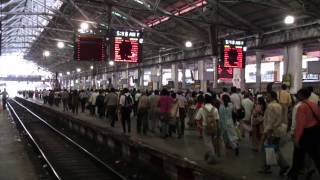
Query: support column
[
  {"x": 277, "y": 71},
  {"x": 215, "y": 71},
  {"x": 183, "y": 75},
  {"x": 140, "y": 77},
  {"x": 201, "y": 75},
  {"x": 259, "y": 54},
  {"x": 174, "y": 76},
  {"x": 154, "y": 78},
  {"x": 127, "y": 76},
  {"x": 293, "y": 65},
  {"x": 159, "y": 74}
]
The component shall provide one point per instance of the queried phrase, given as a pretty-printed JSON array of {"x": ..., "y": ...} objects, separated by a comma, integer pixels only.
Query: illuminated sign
[
  {"x": 90, "y": 48},
  {"x": 126, "y": 49},
  {"x": 126, "y": 46},
  {"x": 130, "y": 34},
  {"x": 233, "y": 54}
]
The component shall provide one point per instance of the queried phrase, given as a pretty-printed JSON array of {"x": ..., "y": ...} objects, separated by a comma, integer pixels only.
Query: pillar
[
  {"x": 127, "y": 76},
  {"x": 277, "y": 71},
  {"x": 259, "y": 54},
  {"x": 174, "y": 76},
  {"x": 155, "y": 77},
  {"x": 140, "y": 78},
  {"x": 293, "y": 65},
  {"x": 215, "y": 71},
  {"x": 201, "y": 70},
  {"x": 184, "y": 75}
]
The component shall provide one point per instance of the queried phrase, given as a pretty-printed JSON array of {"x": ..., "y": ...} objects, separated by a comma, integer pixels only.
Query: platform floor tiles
[
  {"x": 191, "y": 148},
  {"x": 14, "y": 161}
]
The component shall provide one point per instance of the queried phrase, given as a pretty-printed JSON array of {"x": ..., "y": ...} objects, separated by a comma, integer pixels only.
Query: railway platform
[
  {"x": 190, "y": 149},
  {"x": 15, "y": 163}
]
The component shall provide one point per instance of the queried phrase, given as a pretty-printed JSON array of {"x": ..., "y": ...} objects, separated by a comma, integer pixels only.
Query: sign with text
[
  {"x": 126, "y": 46},
  {"x": 233, "y": 54},
  {"x": 90, "y": 48}
]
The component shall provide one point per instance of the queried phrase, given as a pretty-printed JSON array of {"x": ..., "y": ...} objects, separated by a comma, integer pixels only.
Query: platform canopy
[{"x": 31, "y": 27}]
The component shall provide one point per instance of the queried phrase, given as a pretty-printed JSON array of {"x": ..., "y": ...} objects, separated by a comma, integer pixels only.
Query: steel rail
[
  {"x": 73, "y": 142},
  {"x": 34, "y": 142}
]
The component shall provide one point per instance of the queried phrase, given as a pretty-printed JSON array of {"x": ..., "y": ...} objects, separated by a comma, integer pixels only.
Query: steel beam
[
  {"x": 26, "y": 13},
  {"x": 235, "y": 15},
  {"x": 37, "y": 27},
  {"x": 143, "y": 25}
]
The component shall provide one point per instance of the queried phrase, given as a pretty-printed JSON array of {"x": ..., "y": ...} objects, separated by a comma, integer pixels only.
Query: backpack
[
  {"x": 128, "y": 103},
  {"x": 212, "y": 126}
]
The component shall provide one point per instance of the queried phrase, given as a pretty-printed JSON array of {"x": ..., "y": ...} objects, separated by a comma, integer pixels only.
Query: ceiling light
[
  {"x": 289, "y": 19},
  {"x": 140, "y": 40},
  {"x": 111, "y": 63},
  {"x": 91, "y": 67},
  {"x": 84, "y": 26},
  {"x": 60, "y": 74},
  {"x": 245, "y": 48},
  {"x": 60, "y": 45},
  {"x": 46, "y": 53},
  {"x": 188, "y": 44},
  {"x": 68, "y": 73},
  {"x": 78, "y": 69}
]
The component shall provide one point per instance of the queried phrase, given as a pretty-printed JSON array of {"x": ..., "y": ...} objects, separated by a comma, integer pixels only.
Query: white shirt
[
  {"x": 248, "y": 106},
  {"x": 201, "y": 114},
  {"x": 236, "y": 100},
  {"x": 137, "y": 96},
  {"x": 182, "y": 101},
  {"x": 93, "y": 98},
  {"x": 314, "y": 98},
  {"x": 122, "y": 100},
  {"x": 294, "y": 113}
]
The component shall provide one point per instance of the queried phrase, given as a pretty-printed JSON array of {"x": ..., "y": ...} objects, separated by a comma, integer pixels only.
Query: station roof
[{"x": 30, "y": 27}]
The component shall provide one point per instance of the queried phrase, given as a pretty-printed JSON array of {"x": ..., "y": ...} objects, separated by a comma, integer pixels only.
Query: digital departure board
[
  {"x": 126, "y": 49},
  {"x": 90, "y": 48},
  {"x": 233, "y": 54},
  {"x": 126, "y": 46}
]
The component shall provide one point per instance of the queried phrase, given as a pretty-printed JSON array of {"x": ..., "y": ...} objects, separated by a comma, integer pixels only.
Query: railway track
[{"x": 66, "y": 159}]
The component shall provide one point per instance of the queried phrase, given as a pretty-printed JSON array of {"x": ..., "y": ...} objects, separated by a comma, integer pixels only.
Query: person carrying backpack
[
  {"x": 126, "y": 105},
  {"x": 209, "y": 116}
]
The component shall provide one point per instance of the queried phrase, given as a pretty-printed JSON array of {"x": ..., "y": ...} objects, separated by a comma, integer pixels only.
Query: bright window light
[
  {"x": 188, "y": 44},
  {"x": 289, "y": 19},
  {"x": 84, "y": 26},
  {"x": 60, "y": 45},
  {"x": 46, "y": 53}
]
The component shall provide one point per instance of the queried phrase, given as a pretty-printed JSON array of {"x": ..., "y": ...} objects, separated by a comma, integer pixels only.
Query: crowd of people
[{"x": 221, "y": 119}]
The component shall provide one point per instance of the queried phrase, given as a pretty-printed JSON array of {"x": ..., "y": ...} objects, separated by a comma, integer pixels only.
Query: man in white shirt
[
  {"x": 235, "y": 98},
  {"x": 208, "y": 138},
  {"x": 313, "y": 97},
  {"x": 92, "y": 102},
  {"x": 247, "y": 104}
]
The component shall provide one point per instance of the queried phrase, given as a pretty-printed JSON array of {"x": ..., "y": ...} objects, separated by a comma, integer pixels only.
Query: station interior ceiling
[{"x": 29, "y": 27}]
